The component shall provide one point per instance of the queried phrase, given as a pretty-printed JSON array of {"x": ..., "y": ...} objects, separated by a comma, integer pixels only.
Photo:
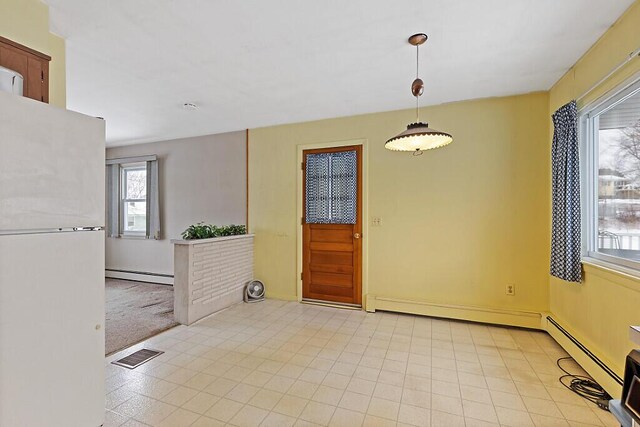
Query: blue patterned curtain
[
  {"x": 331, "y": 188},
  {"x": 565, "y": 172}
]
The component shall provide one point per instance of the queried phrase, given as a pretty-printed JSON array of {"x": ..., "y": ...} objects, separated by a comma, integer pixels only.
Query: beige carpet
[{"x": 135, "y": 311}]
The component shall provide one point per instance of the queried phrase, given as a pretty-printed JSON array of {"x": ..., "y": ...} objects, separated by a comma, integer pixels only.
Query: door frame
[{"x": 365, "y": 210}]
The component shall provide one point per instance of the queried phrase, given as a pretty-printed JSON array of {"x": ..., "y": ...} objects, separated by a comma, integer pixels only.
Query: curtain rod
[{"x": 632, "y": 55}]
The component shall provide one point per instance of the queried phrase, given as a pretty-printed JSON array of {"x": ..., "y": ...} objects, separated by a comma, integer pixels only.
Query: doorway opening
[{"x": 135, "y": 311}]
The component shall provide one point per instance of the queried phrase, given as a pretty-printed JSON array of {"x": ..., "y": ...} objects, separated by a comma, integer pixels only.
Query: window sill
[
  {"x": 133, "y": 236},
  {"x": 624, "y": 276}
]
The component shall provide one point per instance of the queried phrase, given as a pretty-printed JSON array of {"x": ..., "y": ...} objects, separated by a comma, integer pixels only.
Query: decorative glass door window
[{"x": 331, "y": 188}]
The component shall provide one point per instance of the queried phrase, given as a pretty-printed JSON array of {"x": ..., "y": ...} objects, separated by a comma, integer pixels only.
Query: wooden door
[{"x": 332, "y": 225}]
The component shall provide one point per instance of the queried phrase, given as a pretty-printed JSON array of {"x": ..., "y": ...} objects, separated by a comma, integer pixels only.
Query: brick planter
[{"x": 210, "y": 274}]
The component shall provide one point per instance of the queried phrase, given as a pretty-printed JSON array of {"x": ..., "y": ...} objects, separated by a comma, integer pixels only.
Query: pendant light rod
[
  {"x": 417, "y": 87},
  {"x": 417, "y": 60},
  {"x": 417, "y": 77}
]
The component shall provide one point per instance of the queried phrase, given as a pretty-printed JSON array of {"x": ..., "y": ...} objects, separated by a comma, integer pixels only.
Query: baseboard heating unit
[
  {"x": 139, "y": 276},
  {"x": 586, "y": 351}
]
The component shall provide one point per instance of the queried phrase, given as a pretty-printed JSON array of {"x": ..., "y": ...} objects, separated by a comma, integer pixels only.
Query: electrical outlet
[
  {"x": 511, "y": 289},
  {"x": 376, "y": 221}
]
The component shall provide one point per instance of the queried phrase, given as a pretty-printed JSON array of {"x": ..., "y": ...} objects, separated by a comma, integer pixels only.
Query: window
[
  {"x": 132, "y": 197},
  {"x": 133, "y": 202},
  {"x": 611, "y": 140}
]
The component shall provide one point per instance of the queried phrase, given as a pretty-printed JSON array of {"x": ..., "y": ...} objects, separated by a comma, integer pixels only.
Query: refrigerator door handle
[{"x": 48, "y": 230}]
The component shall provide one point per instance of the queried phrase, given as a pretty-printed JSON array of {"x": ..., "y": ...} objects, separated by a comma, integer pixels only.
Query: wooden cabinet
[{"x": 33, "y": 65}]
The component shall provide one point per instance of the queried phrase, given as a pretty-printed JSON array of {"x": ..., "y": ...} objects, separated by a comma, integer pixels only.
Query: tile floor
[{"x": 281, "y": 363}]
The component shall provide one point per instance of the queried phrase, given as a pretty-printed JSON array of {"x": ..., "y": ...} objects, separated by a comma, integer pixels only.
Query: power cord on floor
[{"x": 585, "y": 386}]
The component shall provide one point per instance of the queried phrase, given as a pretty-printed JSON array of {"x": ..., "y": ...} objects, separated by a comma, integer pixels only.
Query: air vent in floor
[{"x": 136, "y": 359}]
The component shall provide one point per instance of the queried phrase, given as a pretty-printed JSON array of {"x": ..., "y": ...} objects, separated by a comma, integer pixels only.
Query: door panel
[
  {"x": 333, "y": 258},
  {"x": 35, "y": 80},
  {"x": 334, "y": 236},
  {"x": 331, "y": 279},
  {"x": 331, "y": 268},
  {"x": 332, "y": 244},
  {"x": 332, "y": 293}
]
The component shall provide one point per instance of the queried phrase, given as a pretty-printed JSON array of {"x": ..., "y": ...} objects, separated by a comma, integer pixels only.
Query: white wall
[{"x": 201, "y": 179}]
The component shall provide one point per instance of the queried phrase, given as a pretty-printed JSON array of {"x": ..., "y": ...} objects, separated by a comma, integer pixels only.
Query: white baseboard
[
  {"x": 139, "y": 276},
  {"x": 521, "y": 318}
]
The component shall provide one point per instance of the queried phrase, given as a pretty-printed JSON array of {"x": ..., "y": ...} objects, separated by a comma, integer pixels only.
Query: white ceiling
[{"x": 254, "y": 63}]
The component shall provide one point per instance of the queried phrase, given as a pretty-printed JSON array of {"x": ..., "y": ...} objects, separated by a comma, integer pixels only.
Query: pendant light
[{"x": 419, "y": 136}]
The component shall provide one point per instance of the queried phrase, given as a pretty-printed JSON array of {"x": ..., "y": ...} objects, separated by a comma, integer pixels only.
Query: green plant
[{"x": 207, "y": 231}]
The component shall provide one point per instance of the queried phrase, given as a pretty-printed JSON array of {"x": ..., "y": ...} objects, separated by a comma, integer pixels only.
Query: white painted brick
[{"x": 211, "y": 275}]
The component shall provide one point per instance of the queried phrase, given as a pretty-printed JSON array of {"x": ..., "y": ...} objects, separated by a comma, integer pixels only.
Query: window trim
[
  {"x": 588, "y": 127},
  {"x": 122, "y": 201}
]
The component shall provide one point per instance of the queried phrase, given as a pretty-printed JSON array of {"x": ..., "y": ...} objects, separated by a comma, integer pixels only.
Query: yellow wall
[
  {"x": 599, "y": 311},
  {"x": 27, "y": 22},
  {"x": 458, "y": 223}
]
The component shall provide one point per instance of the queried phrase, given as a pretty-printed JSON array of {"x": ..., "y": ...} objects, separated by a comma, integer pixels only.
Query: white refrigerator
[{"x": 51, "y": 266}]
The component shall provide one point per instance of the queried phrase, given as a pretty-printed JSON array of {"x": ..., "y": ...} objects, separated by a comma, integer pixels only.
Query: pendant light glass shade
[{"x": 418, "y": 137}]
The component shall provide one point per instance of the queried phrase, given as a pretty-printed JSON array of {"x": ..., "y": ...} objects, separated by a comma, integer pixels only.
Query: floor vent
[{"x": 136, "y": 359}]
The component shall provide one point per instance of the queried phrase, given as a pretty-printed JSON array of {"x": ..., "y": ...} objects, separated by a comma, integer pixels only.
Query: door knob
[{"x": 356, "y": 235}]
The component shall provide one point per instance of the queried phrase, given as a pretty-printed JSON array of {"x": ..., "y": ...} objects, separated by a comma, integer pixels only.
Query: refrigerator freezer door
[
  {"x": 51, "y": 166},
  {"x": 52, "y": 330}
]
